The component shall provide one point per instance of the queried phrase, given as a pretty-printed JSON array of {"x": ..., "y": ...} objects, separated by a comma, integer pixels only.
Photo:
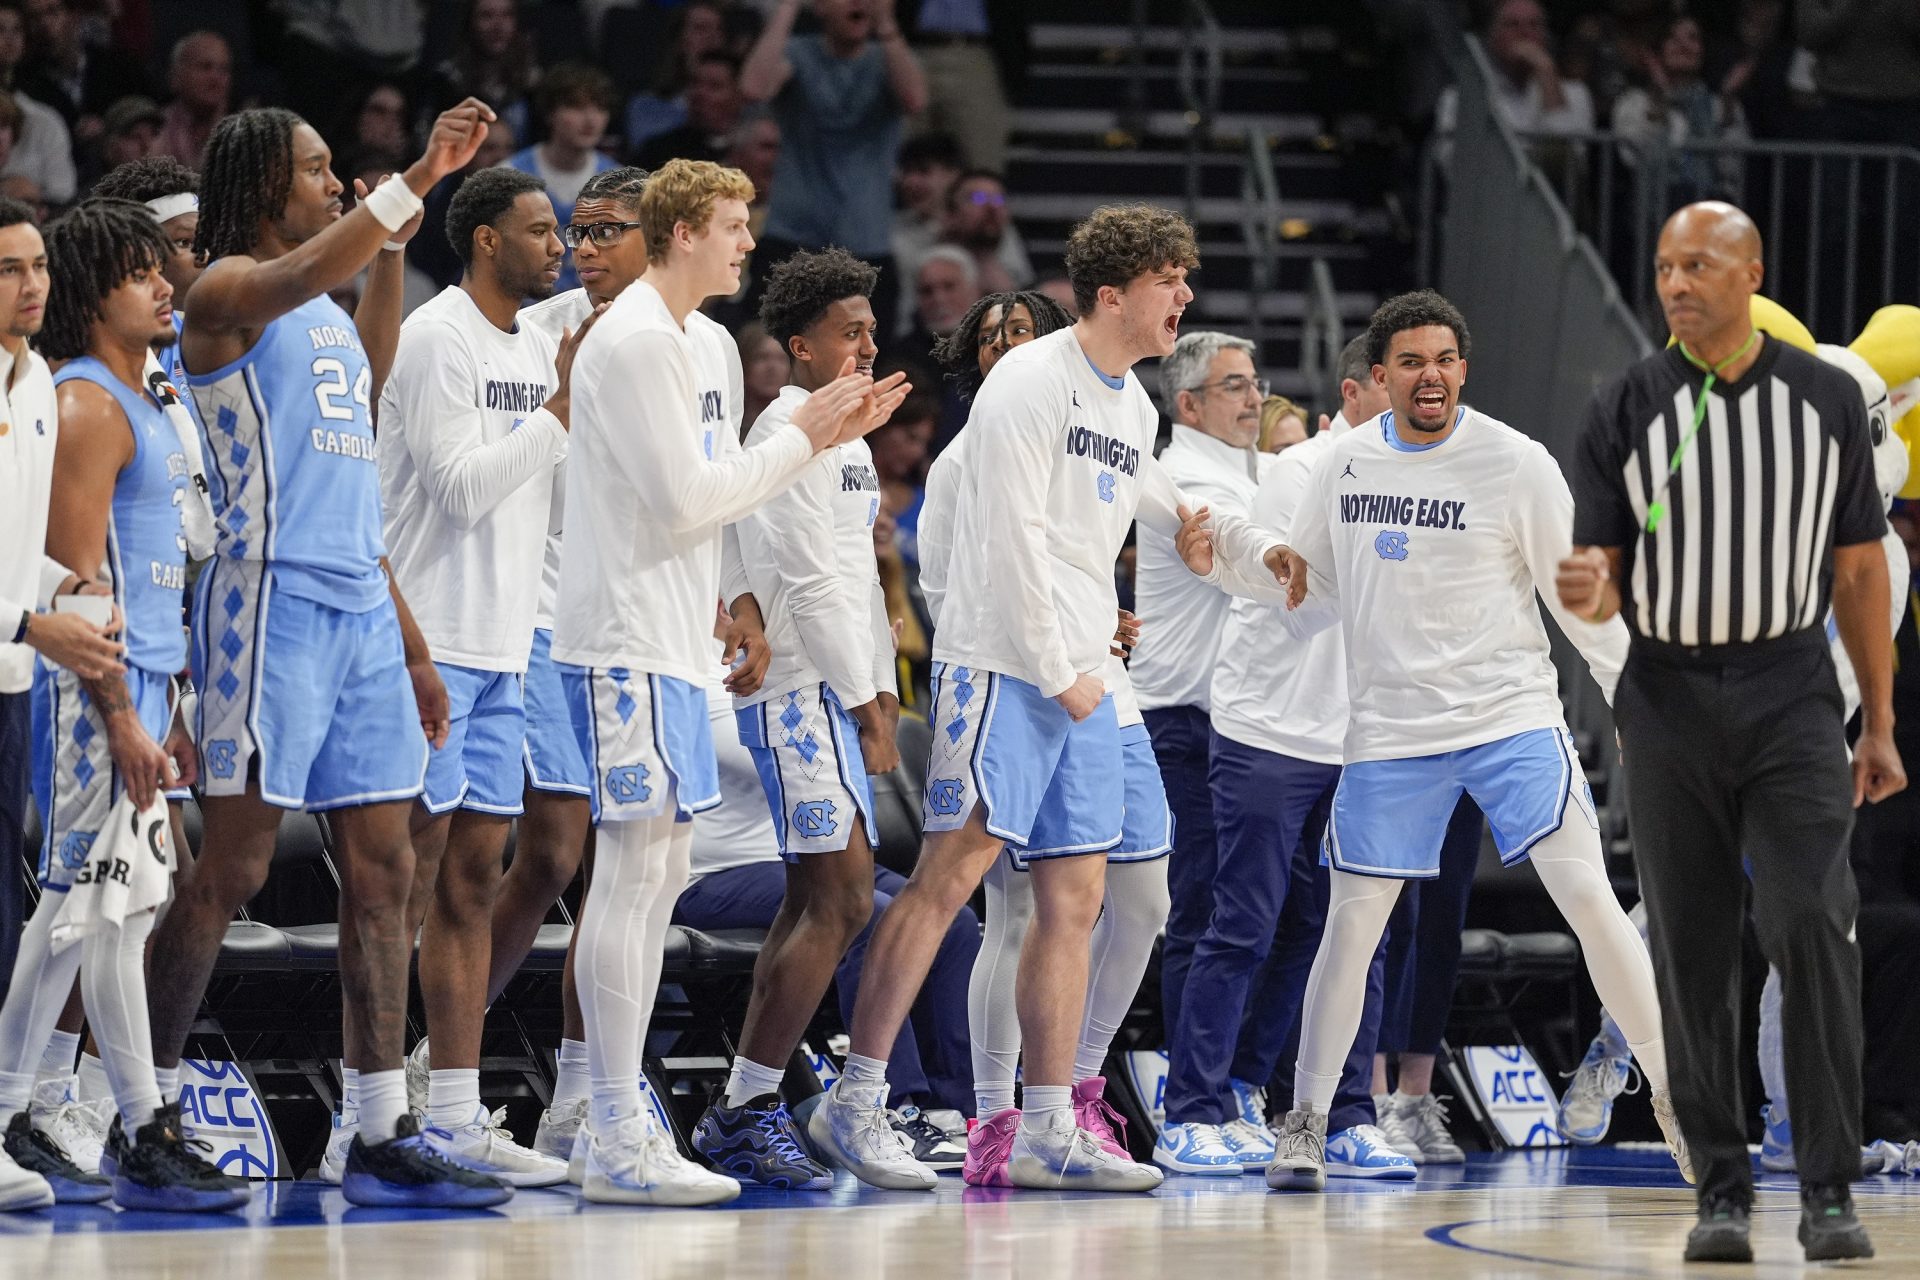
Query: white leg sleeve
[
  {"x": 113, "y": 982},
  {"x": 991, "y": 1015},
  {"x": 610, "y": 963},
  {"x": 41, "y": 983},
  {"x": 1337, "y": 988},
  {"x": 1134, "y": 913},
  {"x": 1773, "y": 1062}
]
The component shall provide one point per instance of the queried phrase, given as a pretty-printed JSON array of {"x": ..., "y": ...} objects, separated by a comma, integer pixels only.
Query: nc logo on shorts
[
  {"x": 222, "y": 753},
  {"x": 813, "y": 819},
  {"x": 944, "y": 796},
  {"x": 628, "y": 784},
  {"x": 1106, "y": 486},
  {"x": 75, "y": 848},
  {"x": 1391, "y": 544}
]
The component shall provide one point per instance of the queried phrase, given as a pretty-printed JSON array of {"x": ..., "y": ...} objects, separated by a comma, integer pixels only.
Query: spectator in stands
[
  {"x": 713, "y": 113},
  {"x": 1282, "y": 424},
  {"x": 900, "y": 452},
  {"x": 924, "y": 173},
  {"x": 1674, "y": 107},
  {"x": 755, "y": 151},
  {"x": 764, "y": 366},
  {"x": 352, "y": 42},
  {"x": 1529, "y": 90},
  {"x": 76, "y": 80},
  {"x": 1060, "y": 289},
  {"x": 1607, "y": 47},
  {"x": 40, "y": 140},
  {"x": 1866, "y": 64},
  {"x": 37, "y": 166},
  {"x": 381, "y": 121},
  {"x": 840, "y": 97},
  {"x": 947, "y": 284},
  {"x": 697, "y": 29},
  {"x": 973, "y": 53},
  {"x": 575, "y": 102},
  {"x": 494, "y": 61},
  {"x": 200, "y": 73},
  {"x": 1758, "y": 69},
  {"x": 130, "y": 130},
  {"x": 977, "y": 221}
]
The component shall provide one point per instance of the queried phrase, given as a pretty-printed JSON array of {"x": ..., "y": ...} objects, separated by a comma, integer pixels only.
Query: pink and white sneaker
[
  {"x": 989, "y": 1148},
  {"x": 1092, "y": 1112}
]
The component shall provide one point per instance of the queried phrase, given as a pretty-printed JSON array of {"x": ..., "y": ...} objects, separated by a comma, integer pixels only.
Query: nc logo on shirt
[
  {"x": 1106, "y": 486},
  {"x": 814, "y": 820},
  {"x": 75, "y": 848},
  {"x": 628, "y": 784},
  {"x": 221, "y": 756},
  {"x": 39, "y": 426},
  {"x": 1391, "y": 544},
  {"x": 944, "y": 796}
]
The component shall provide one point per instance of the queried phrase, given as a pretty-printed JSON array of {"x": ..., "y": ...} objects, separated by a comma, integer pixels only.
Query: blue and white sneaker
[
  {"x": 1199, "y": 1149},
  {"x": 634, "y": 1162},
  {"x": 1247, "y": 1134},
  {"x": 409, "y": 1171},
  {"x": 1776, "y": 1143},
  {"x": 755, "y": 1142},
  {"x": 851, "y": 1128},
  {"x": 1065, "y": 1157},
  {"x": 1362, "y": 1152},
  {"x": 1586, "y": 1109}
]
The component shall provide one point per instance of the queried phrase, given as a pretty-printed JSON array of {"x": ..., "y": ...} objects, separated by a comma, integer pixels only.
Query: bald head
[{"x": 1707, "y": 269}]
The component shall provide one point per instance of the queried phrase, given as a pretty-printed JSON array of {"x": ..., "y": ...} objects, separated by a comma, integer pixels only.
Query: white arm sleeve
[
  {"x": 935, "y": 533},
  {"x": 1540, "y": 517},
  {"x": 833, "y": 622},
  {"x": 886, "y": 677}
]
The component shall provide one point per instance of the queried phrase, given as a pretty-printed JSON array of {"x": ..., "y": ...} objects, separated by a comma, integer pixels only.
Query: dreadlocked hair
[
  {"x": 959, "y": 352},
  {"x": 146, "y": 179},
  {"x": 91, "y": 249},
  {"x": 247, "y": 178},
  {"x": 622, "y": 185}
]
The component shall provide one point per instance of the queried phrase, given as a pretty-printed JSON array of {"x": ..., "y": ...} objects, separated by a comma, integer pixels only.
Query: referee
[{"x": 1723, "y": 490}]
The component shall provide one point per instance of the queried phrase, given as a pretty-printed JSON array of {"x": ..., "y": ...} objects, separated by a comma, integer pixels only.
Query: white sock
[
  {"x": 993, "y": 1022},
  {"x": 864, "y": 1080},
  {"x": 620, "y": 951},
  {"x": 383, "y": 1100},
  {"x": 992, "y": 1100},
  {"x": 1337, "y": 988},
  {"x": 453, "y": 1095},
  {"x": 1045, "y": 1106},
  {"x": 41, "y": 983},
  {"x": 573, "y": 1081},
  {"x": 57, "y": 1062},
  {"x": 349, "y": 1097},
  {"x": 168, "y": 1078},
  {"x": 113, "y": 980},
  {"x": 1134, "y": 913},
  {"x": 751, "y": 1080},
  {"x": 90, "y": 1081}
]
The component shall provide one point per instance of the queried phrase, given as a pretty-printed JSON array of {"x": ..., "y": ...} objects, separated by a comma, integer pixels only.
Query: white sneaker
[
  {"x": 77, "y": 1128},
  {"x": 1670, "y": 1128},
  {"x": 419, "y": 1078},
  {"x": 1394, "y": 1129},
  {"x": 857, "y": 1134},
  {"x": 1252, "y": 1143},
  {"x": 333, "y": 1162},
  {"x": 1362, "y": 1152},
  {"x": 1066, "y": 1157},
  {"x": 1424, "y": 1119},
  {"x": 949, "y": 1121},
  {"x": 558, "y": 1124},
  {"x": 1197, "y": 1149},
  {"x": 1300, "y": 1163},
  {"x": 484, "y": 1145},
  {"x": 21, "y": 1189},
  {"x": 635, "y": 1163}
]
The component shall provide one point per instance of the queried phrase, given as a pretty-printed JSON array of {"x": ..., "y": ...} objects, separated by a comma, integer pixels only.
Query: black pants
[
  {"x": 16, "y": 769},
  {"x": 1732, "y": 758}
]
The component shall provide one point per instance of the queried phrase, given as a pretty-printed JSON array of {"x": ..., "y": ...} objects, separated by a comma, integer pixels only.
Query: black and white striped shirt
[{"x": 1780, "y": 472}]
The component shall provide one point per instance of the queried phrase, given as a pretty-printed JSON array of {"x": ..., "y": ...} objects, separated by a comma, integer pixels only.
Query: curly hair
[
  {"x": 801, "y": 288},
  {"x": 91, "y": 250},
  {"x": 1118, "y": 242},
  {"x": 686, "y": 191},
  {"x": 621, "y": 185},
  {"x": 481, "y": 200},
  {"x": 575, "y": 84},
  {"x": 959, "y": 352},
  {"x": 247, "y": 179},
  {"x": 1417, "y": 310},
  {"x": 147, "y": 179}
]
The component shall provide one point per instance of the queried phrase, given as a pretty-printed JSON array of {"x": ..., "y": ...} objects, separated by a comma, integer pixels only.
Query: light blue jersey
[
  {"x": 146, "y": 539},
  {"x": 289, "y": 436}
]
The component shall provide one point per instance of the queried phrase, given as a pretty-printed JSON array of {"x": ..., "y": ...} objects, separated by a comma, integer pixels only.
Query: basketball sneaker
[
  {"x": 1586, "y": 1109},
  {"x": 1092, "y": 1112},
  {"x": 1199, "y": 1149},
  {"x": 1723, "y": 1233},
  {"x": 1776, "y": 1140},
  {"x": 635, "y": 1163},
  {"x": 1065, "y": 1157},
  {"x": 755, "y": 1142},
  {"x": 484, "y": 1145},
  {"x": 932, "y": 1146},
  {"x": 419, "y": 1077},
  {"x": 1362, "y": 1151},
  {"x": 409, "y": 1171},
  {"x": 989, "y": 1147},
  {"x": 1828, "y": 1229},
  {"x": 333, "y": 1161},
  {"x": 558, "y": 1124},
  {"x": 854, "y": 1131},
  {"x": 163, "y": 1169},
  {"x": 1425, "y": 1120},
  {"x": 1300, "y": 1163},
  {"x": 1247, "y": 1135},
  {"x": 32, "y": 1150},
  {"x": 21, "y": 1189},
  {"x": 77, "y": 1128},
  {"x": 1392, "y": 1128},
  {"x": 1670, "y": 1129},
  {"x": 114, "y": 1149}
]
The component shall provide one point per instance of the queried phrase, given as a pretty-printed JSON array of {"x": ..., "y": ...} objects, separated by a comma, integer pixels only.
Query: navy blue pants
[
  {"x": 1423, "y": 948},
  {"x": 16, "y": 772},
  {"x": 1181, "y": 743},
  {"x": 932, "y": 1063}
]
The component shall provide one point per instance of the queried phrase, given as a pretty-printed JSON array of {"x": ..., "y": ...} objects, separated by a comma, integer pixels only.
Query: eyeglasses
[
  {"x": 994, "y": 198},
  {"x": 1236, "y": 385},
  {"x": 604, "y": 234}
]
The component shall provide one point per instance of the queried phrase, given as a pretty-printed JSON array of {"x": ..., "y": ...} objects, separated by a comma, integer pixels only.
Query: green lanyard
[{"x": 1657, "y": 509}]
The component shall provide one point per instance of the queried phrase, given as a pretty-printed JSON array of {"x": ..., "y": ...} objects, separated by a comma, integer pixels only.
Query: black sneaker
[
  {"x": 165, "y": 1170},
  {"x": 408, "y": 1172},
  {"x": 1828, "y": 1229},
  {"x": 115, "y": 1149},
  {"x": 37, "y": 1153},
  {"x": 1723, "y": 1233},
  {"x": 932, "y": 1145}
]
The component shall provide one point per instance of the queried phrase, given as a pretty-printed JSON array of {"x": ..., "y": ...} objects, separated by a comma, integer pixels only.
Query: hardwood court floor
[{"x": 1603, "y": 1212}]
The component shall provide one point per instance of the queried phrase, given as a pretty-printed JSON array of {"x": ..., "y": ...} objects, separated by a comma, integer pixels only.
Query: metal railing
[
  {"x": 1199, "y": 75},
  {"x": 1321, "y": 336},
  {"x": 1260, "y": 230}
]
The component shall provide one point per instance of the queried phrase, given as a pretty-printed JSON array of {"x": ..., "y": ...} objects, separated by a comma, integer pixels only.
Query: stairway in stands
[{"x": 1295, "y": 74}]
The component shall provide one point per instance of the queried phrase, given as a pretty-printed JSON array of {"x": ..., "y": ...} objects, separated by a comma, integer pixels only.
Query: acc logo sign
[
  {"x": 1391, "y": 544},
  {"x": 221, "y": 755},
  {"x": 628, "y": 785},
  {"x": 813, "y": 819},
  {"x": 1106, "y": 486},
  {"x": 218, "y": 1105},
  {"x": 944, "y": 796}
]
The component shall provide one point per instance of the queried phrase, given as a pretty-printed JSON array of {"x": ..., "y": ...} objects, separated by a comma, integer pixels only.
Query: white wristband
[
  {"x": 394, "y": 246},
  {"x": 393, "y": 203}
]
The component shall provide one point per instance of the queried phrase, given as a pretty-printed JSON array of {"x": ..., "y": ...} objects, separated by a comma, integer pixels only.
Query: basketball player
[
  {"x": 1136, "y": 900},
  {"x": 171, "y": 192},
  {"x": 314, "y": 674},
  {"x": 116, "y": 511},
  {"x": 1432, "y": 526},
  {"x": 1028, "y": 747},
  {"x": 654, "y": 475}
]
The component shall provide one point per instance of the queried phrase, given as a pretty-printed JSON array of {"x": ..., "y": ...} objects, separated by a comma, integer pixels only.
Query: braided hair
[
  {"x": 91, "y": 250},
  {"x": 149, "y": 178},
  {"x": 622, "y": 185},
  {"x": 959, "y": 352},
  {"x": 247, "y": 179}
]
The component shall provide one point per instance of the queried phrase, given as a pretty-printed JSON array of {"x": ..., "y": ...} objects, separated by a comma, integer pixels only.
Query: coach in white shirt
[{"x": 1214, "y": 394}]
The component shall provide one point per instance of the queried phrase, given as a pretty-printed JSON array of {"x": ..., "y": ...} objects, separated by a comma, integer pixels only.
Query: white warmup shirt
[
  {"x": 1276, "y": 687},
  {"x": 808, "y": 557},
  {"x": 29, "y": 427},
  {"x": 655, "y": 473},
  {"x": 1436, "y": 556},
  {"x": 466, "y": 456},
  {"x": 1182, "y": 618},
  {"x": 554, "y": 316}
]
